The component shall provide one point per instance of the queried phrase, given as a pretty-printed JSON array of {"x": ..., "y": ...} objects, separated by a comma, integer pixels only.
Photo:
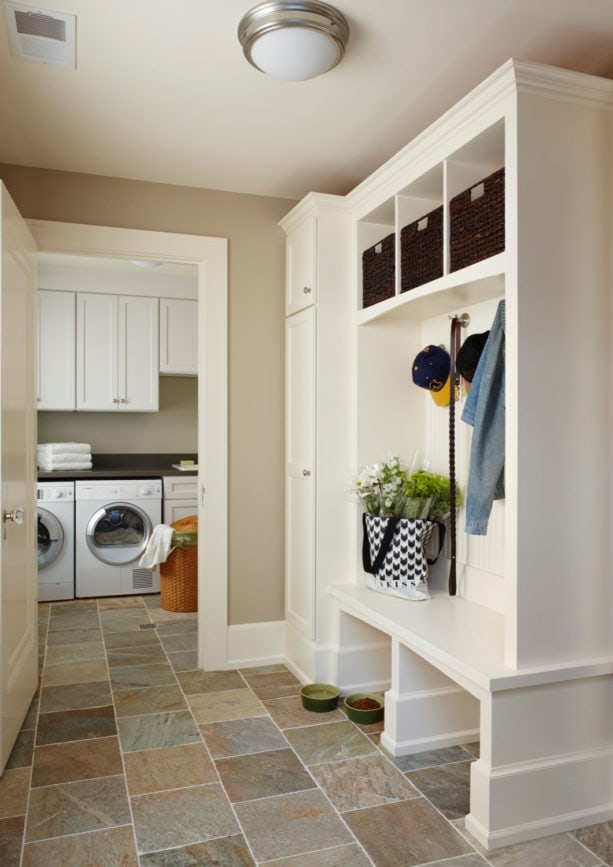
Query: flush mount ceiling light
[{"x": 293, "y": 40}]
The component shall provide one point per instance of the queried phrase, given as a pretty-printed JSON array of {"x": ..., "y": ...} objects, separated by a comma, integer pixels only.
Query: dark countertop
[{"x": 124, "y": 467}]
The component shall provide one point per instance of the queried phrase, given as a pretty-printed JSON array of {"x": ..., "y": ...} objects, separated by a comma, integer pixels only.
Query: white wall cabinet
[
  {"x": 56, "y": 350},
  {"x": 522, "y": 657},
  {"x": 117, "y": 353},
  {"x": 178, "y": 337}
]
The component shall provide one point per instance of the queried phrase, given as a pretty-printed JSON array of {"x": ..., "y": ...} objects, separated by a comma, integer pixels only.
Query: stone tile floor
[{"x": 132, "y": 756}]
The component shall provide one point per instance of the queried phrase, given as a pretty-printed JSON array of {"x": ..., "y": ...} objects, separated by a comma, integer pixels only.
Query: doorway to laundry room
[{"x": 175, "y": 426}]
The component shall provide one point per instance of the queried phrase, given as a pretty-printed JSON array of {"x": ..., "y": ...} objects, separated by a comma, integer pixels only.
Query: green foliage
[{"x": 386, "y": 490}]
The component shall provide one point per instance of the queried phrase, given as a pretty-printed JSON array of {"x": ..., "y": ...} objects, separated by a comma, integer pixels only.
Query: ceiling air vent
[{"x": 40, "y": 35}]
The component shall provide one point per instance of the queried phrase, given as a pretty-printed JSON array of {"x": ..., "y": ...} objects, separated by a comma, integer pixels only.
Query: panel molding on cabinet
[
  {"x": 178, "y": 337},
  {"x": 300, "y": 481},
  {"x": 301, "y": 258},
  {"x": 56, "y": 350}
]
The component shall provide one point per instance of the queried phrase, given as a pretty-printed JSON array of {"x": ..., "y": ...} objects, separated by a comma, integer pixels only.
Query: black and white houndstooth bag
[{"x": 393, "y": 555}]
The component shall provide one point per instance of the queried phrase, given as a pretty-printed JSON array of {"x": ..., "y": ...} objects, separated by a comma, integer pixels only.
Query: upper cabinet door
[
  {"x": 56, "y": 350},
  {"x": 117, "y": 353},
  {"x": 137, "y": 362},
  {"x": 97, "y": 352},
  {"x": 301, "y": 253},
  {"x": 178, "y": 337}
]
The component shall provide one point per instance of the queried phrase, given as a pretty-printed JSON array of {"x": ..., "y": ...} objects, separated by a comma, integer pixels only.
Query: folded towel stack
[{"x": 64, "y": 456}]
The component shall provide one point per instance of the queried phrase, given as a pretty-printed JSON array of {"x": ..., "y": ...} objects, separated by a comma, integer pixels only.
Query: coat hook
[{"x": 463, "y": 319}]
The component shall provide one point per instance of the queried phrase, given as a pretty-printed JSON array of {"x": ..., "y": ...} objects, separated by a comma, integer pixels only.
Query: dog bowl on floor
[
  {"x": 369, "y": 708},
  {"x": 319, "y": 697}
]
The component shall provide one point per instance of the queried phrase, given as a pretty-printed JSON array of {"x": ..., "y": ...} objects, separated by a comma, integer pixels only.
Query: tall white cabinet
[
  {"x": 522, "y": 657},
  {"x": 318, "y": 431}
]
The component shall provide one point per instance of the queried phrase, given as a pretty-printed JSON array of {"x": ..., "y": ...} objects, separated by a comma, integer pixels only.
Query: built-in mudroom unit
[{"x": 521, "y": 658}]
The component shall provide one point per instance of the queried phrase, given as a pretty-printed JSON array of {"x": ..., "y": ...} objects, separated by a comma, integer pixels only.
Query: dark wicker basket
[
  {"x": 476, "y": 226},
  {"x": 179, "y": 574},
  {"x": 378, "y": 271},
  {"x": 421, "y": 250}
]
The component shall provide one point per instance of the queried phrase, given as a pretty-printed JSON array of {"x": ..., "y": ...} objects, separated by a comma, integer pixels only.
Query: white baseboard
[
  {"x": 535, "y": 799},
  {"x": 254, "y": 644},
  {"x": 421, "y": 745}
]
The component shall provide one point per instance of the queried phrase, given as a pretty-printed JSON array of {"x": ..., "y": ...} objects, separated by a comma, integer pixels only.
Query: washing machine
[
  {"x": 56, "y": 540},
  {"x": 113, "y": 523}
]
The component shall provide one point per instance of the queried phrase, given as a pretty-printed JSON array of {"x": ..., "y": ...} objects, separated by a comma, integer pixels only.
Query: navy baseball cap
[{"x": 431, "y": 370}]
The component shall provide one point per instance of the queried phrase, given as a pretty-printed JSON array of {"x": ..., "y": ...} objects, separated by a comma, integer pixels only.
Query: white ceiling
[{"x": 163, "y": 93}]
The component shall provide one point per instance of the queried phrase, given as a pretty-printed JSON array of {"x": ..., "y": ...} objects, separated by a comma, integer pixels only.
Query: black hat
[{"x": 469, "y": 355}]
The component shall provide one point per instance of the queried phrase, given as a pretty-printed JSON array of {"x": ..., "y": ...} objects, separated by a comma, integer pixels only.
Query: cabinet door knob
[
  {"x": 123, "y": 400},
  {"x": 306, "y": 473},
  {"x": 307, "y": 290},
  {"x": 115, "y": 400}
]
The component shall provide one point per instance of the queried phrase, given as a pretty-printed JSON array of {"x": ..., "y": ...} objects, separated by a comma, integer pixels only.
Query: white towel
[
  {"x": 64, "y": 459},
  {"x": 48, "y": 466},
  {"x": 49, "y": 449},
  {"x": 158, "y": 547}
]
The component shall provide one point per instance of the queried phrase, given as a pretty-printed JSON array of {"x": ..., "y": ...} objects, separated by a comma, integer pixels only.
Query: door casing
[{"x": 210, "y": 255}]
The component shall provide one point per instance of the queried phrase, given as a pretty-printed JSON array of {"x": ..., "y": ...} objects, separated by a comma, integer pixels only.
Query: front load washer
[
  {"x": 55, "y": 531},
  {"x": 114, "y": 521}
]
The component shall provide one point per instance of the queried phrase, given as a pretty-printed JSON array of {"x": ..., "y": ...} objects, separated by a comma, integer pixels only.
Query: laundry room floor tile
[
  {"x": 76, "y": 760},
  {"x": 75, "y": 725},
  {"x": 75, "y": 695},
  {"x": 157, "y": 730}
]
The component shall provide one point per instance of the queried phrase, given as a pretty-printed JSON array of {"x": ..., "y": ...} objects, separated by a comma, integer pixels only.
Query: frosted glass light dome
[{"x": 293, "y": 39}]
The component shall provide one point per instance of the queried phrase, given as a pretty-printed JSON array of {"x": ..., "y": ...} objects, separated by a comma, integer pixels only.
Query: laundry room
[{"x": 117, "y": 418}]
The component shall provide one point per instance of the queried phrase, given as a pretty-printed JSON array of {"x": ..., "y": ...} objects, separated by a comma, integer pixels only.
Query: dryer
[
  {"x": 113, "y": 523},
  {"x": 56, "y": 540}
]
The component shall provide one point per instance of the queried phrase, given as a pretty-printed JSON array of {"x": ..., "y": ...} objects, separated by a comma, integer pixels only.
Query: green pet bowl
[
  {"x": 319, "y": 697},
  {"x": 372, "y": 712}
]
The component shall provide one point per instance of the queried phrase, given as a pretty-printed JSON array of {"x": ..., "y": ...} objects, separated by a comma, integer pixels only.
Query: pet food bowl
[
  {"x": 319, "y": 697},
  {"x": 373, "y": 709}
]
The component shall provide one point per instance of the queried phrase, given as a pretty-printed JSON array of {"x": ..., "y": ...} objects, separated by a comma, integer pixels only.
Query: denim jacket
[{"x": 485, "y": 411}]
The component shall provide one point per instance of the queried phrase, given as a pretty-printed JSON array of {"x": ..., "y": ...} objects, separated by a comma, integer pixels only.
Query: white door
[
  {"x": 18, "y": 560},
  {"x": 300, "y": 479}
]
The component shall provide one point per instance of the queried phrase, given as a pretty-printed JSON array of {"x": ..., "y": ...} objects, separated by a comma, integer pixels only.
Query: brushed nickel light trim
[{"x": 275, "y": 17}]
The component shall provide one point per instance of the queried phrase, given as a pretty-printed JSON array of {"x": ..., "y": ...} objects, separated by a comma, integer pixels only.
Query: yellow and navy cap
[{"x": 431, "y": 370}]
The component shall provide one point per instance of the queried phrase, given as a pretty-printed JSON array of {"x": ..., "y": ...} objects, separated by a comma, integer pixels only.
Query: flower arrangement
[{"x": 389, "y": 489}]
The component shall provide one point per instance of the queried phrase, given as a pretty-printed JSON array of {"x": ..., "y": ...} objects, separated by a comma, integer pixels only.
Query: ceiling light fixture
[{"x": 293, "y": 40}]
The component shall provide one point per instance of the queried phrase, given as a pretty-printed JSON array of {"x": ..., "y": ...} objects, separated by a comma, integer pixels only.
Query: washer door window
[
  {"x": 118, "y": 533},
  {"x": 50, "y": 538}
]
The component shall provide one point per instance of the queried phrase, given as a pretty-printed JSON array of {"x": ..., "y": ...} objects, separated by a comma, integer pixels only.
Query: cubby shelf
[{"x": 479, "y": 282}]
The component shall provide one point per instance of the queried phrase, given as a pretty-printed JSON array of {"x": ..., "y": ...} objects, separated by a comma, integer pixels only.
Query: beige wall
[
  {"x": 256, "y": 276},
  {"x": 172, "y": 430}
]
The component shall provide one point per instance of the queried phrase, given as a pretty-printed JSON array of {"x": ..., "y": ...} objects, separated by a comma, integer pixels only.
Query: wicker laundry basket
[{"x": 179, "y": 574}]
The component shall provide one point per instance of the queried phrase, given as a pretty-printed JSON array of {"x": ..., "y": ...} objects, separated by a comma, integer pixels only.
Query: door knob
[{"x": 16, "y": 516}]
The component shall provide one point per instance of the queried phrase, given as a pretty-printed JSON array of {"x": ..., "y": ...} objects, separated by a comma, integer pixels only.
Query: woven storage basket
[
  {"x": 179, "y": 574},
  {"x": 421, "y": 250},
  {"x": 476, "y": 225},
  {"x": 378, "y": 271}
]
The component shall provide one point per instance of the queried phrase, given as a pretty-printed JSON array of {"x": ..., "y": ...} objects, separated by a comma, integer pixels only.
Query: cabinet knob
[
  {"x": 306, "y": 473},
  {"x": 123, "y": 400},
  {"x": 307, "y": 290},
  {"x": 115, "y": 400}
]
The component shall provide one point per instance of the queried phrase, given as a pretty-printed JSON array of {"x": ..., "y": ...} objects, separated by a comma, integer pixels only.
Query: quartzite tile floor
[{"x": 131, "y": 756}]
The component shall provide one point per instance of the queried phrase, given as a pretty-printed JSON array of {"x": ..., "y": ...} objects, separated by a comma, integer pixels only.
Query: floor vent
[{"x": 147, "y": 626}]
